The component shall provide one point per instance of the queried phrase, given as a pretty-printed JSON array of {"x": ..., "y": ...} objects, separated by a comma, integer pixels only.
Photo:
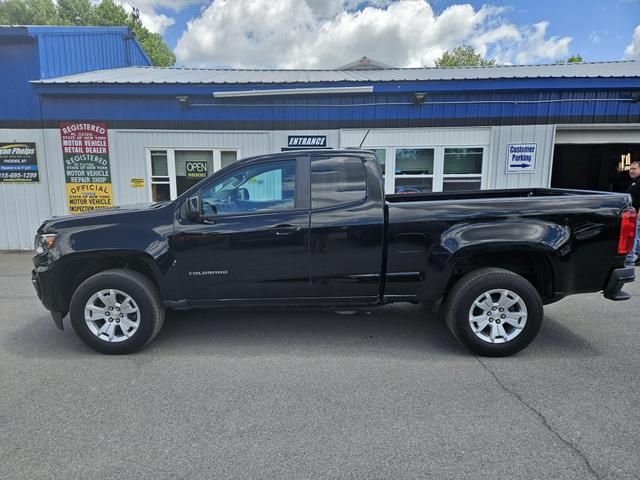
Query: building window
[
  {"x": 462, "y": 169},
  {"x": 175, "y": 170},
  {"x": 191, "y": 167},
  {"x": 414, "y": 168},
  {"x": 160, "y": 179},
  {"x": 227, "y": 157}
]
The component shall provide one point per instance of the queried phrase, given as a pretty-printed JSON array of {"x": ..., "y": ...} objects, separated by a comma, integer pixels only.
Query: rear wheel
[
  {"x": 494, "y": 312},
  {"x": 116, "y": 311}
]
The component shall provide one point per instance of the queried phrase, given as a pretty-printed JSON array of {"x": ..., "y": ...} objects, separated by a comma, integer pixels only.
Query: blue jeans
[{"x": 634, "y": 254}]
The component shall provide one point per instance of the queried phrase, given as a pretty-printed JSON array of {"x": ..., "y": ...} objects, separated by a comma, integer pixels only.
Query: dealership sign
[
  {"x": 307, "y": 141},
  {"x": 521, "y": 157},
  {"x": 87, "y": 170},
  {"x": 18, "y": 163}
]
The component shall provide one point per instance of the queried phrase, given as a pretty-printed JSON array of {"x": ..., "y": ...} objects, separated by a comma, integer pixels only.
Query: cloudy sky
[{"x": 402, "y": 33}]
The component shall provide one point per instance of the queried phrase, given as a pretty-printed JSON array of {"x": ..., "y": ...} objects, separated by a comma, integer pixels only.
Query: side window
[
  {"x": 337, "y": 180},
  {"x": 256, "y": 188}
]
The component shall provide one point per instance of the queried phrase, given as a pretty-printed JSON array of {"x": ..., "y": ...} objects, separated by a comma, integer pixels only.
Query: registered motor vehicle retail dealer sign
[
  {"x": 521, "y": 157},
  {"x": 85, "y": 152},
  {"x": 18, "y": 163}
]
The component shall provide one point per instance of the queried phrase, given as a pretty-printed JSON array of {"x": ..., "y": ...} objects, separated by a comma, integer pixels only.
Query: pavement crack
[{"x": 544, "y": 421}]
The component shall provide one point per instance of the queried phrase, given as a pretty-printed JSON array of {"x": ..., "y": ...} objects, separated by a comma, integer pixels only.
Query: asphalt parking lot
[{"x": 299, "y": 394}]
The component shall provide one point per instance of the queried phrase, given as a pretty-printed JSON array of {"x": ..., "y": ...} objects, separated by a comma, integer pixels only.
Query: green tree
[
  {"x": 158, "y": 51},
  {"x": 577, "y": 58},
  {"x": 463, "y": 56},
  {"x": 82, "y": 12},
  {"x": 75, "y": 12},
  {"x": 14, "y": 12},
  {"x": 110, "y": 14},
  {"x": 41, "y": 12}
]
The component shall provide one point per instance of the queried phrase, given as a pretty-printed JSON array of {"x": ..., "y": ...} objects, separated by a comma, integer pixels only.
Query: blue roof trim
[
  {"x": 13, "y": 32},
  {"x": 67, "y": 30},
  {"x": 379, "y": 87},
  {"x": 35, "y": 30}
]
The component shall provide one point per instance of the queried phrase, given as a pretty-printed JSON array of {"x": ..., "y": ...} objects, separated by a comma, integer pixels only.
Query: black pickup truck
[{"x": 315, "y": 229}]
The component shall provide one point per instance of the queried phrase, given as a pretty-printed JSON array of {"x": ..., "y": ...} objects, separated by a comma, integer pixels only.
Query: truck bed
[
  {"x": 489, "y": 194},
  {"x": 568, "y": 238}
]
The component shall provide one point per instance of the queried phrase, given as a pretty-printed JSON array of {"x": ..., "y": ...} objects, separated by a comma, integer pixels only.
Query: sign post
[{"x": 85, "y": 152}]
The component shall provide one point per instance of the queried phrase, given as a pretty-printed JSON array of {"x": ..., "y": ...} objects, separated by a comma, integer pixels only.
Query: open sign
[{"x": 196, "y": 169}]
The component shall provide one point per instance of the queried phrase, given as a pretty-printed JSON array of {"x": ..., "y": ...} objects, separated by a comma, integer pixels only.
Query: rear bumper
[{"x": 620, "y": 276}]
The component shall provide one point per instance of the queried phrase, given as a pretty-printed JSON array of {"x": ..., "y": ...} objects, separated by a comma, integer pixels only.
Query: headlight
[{"x": 44, "y": 242}]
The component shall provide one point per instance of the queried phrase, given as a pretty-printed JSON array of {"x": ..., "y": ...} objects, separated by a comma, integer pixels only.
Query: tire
[
  {"x": 477, "y": 325},
  {"x": 130, "y": 302}
]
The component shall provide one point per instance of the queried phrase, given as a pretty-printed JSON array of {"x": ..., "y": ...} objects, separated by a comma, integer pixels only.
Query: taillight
[{"x": 627, "y": 237}]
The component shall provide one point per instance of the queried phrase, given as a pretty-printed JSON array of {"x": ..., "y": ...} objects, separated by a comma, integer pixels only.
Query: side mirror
[
  {"x": 243, "y": 194},
  {"x": 193, "y": 208}
]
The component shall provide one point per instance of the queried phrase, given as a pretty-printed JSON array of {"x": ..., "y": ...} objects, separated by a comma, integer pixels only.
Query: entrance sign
[
  {"x": 307, "y": 141},
  {"x": 521, "y": 157},
  {"x": 18, "y": 163},
  {"x": 87, "y": 170}
]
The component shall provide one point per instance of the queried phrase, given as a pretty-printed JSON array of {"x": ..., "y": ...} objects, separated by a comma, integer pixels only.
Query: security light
[
  {"x": 183, "y": 101},
  {"x": 419, "y": 97}
]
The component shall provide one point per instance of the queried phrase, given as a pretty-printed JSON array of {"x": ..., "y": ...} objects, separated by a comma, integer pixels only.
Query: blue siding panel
[
  {"x": 34, "y": 53},
  {"x": 20, "y": 65},
  {"x": 348, "y": 111},
  {"x": 63, "y": 53}
]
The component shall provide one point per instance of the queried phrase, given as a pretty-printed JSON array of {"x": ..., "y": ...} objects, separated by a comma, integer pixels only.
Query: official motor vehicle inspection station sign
[
  {"x": 85, "y": 152},
  {"x": 18, "y": 163}
]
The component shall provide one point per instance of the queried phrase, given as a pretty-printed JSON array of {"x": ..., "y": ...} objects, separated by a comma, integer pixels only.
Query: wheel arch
[
  {"x": 80, "y": 266},
  {"x": 535, "y": 266}
]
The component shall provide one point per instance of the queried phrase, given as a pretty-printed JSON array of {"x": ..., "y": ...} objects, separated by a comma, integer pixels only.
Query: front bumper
[
  {"x": 620, "y": 276},
  {"x": 44, "y": 283}
]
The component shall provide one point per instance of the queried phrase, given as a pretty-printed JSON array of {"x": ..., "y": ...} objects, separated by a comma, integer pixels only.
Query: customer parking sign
[{"x": 521, "y": 157}]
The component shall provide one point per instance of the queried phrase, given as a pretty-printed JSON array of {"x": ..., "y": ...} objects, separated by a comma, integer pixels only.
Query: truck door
[
  {"x": 252, "y": 241},
  {"x": 347, "y": 227}
]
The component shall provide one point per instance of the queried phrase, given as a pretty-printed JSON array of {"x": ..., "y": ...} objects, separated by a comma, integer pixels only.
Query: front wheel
[
  {"x": 116, "y": 311},
  {"x": 494, "y": 312}
]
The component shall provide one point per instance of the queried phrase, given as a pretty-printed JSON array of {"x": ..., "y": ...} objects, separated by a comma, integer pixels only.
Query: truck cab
[{"x": 296, "y": 228}]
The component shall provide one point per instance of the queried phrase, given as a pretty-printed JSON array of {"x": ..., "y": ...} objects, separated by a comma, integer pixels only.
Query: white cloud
[
  {"x": 325, "y": 34},
  {"x": 632, "y": 52},
  {"x": 538, "y": 47},
  {"x": 150, "y": 18},
  {"x": 156, "y": 23}
]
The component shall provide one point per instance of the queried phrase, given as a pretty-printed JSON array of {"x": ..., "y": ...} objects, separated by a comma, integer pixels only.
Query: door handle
[{"x": 286, "y": 229}]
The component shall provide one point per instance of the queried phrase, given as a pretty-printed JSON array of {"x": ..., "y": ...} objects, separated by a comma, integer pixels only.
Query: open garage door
[{"x": 594, "y": 159}]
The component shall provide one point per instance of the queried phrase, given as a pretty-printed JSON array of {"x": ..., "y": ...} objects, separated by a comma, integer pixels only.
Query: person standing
[{"x": 634, "y": 190}]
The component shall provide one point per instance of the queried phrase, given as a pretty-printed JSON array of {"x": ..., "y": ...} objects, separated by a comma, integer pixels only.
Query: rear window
[{"x": 337, "y": 180}]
